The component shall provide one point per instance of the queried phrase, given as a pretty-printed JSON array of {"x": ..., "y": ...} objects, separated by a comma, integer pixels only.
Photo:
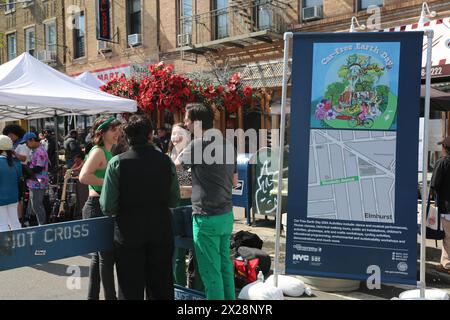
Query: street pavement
[{"x": 56, "y": 280}]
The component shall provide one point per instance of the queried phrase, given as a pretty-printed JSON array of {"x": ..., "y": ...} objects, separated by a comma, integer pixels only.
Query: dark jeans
[
  {"x": 147, "y": 268},
  {"x": 36, "y": 205},
  {"x": 102, "y": 263}
]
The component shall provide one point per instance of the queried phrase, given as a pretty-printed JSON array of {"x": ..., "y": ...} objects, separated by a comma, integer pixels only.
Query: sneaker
[{"x": 441, "y": 268}]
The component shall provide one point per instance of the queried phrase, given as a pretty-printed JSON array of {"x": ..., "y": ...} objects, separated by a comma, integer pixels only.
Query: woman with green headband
[{"x": 105, "y": 132}]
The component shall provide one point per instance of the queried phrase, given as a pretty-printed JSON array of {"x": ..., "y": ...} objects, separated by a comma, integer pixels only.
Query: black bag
[
  {"x": 264, "y": 258},
  {"x": 436, "y": 232},
  {"x": 246, "y": 239}
]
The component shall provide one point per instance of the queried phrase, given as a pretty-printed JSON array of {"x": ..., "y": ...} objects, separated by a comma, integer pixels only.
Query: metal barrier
[
  {"x": 29, "y": 246},
  {"x": 35, "y": 245}
]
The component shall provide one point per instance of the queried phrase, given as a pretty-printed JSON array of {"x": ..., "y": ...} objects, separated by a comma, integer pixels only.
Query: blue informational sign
[
  {"x": 352, "y": 208},
  {"x": 29, "y": 246}
]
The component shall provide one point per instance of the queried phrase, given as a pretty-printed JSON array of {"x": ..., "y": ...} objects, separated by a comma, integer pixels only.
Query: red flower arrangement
[
  {"x": 164, "y": 89},
  {"x": 122, "y": 87},
  {"x": 231, "y": 96}
]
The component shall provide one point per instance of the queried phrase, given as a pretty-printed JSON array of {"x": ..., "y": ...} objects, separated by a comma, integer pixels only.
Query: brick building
[
  {"x": 35, "y": 27},
  {"x": 246, "y": 36},
  {"x": 134, "y": 38}
]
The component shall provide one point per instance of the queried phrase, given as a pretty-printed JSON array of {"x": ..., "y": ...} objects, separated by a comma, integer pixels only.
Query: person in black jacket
[
  {"x": 140, "y": 186},
  {"x": 72, "y": 148},
  {"x": 440, "y": 185}
]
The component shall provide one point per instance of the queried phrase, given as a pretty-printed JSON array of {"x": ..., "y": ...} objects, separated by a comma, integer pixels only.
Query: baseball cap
[
  {"x": 28, "y": 136},
  {"x": 445, "y": 142},
  {"x": 5, "y": 143}
]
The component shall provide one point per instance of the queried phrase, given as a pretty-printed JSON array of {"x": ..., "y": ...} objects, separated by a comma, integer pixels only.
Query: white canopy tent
[
  {"x": 30, "y": 89},
  {"x": 89, "y": 79}
]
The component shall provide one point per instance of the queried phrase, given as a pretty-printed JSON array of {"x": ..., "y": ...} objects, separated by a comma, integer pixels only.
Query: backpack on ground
[
  {"x": 245, "y": 238},
  {"x": 245, "y": 271},
  {"x": 263, "y": 257}
]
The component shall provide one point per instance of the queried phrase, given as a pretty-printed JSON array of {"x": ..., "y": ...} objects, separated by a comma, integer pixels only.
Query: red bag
[{"x": 245, "y": 271}]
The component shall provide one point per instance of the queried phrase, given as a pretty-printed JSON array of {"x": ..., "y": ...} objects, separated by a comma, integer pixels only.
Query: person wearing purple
[{"x": 39, "y": 180}]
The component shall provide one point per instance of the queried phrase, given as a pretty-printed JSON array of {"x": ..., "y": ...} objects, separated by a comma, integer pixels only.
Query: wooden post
[
  {"x": 217, "y": 117},
  {"x": 448, "y": 124},
  {"x": 223, "y": 121},
  {"x": 240, "y": 115},
  {"x": 269, "y": 95},
  {"x": 177, "y": 117},
  {"x": 263, "y": 108}
]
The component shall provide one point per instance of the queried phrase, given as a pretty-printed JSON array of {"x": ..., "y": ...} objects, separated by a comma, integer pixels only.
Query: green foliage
[
  {"x": 364, "y": 86},
  {"x": 383, "y": 96},
  {"x": 370, "y": 72},
  {"x": 334, "y": 90}
]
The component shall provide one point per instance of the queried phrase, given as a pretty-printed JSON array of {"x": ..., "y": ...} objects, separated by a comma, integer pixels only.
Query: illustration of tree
[
  {"x": 334, "y": 90},
  {"x": 343, "y": 72},
  {"x": 365, "y": 85},
  {"x": 360, "y": 69},
  {"x": 383, "y": 96}
]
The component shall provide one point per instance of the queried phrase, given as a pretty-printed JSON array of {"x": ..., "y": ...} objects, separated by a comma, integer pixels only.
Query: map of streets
[{"x": 352, "y": 175}]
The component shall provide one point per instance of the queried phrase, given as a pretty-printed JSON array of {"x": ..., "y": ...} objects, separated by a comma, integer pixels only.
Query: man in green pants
[{"x": 213, "y": 165}]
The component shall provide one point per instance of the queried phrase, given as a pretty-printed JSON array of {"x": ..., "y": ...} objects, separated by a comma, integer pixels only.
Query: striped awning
[{"x": 440, "y": 60}]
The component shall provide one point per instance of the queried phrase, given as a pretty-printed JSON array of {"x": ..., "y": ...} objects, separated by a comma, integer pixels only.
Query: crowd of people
[{"x": 141, "y": 179}]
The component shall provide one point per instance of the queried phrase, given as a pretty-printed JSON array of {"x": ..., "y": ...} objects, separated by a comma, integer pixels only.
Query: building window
[
  {"x": 50, "y": 37},
  {"x": 10, "y": 5},
  {"x": 311, "y": 10},
  {"x": 364, "y": 4},
  {"x": 185, "y": 14},
  {"x": 312, "y": 3},
  {"x": 263, "y": 14},
  {"x": 221, "y": 13},
  {"x": 134, "y": 16},
  {"x": 79, "y": 33},
  {"x": 30, "y": 45},
  {"x": 12, "y": 46}
]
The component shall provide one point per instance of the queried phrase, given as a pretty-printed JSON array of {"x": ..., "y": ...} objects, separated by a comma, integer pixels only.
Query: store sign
[
  {"x": 109, "y": 73},
  {"x": 438, "y": 71},
  {"x": 353, "y": 155},
  {"x": 103, "y": 20}
]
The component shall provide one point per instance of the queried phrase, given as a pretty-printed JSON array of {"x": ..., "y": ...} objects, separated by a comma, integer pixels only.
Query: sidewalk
[{"x": 265, "y": 229}]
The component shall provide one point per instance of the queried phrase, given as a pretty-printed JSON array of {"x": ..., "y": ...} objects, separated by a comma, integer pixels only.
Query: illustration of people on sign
[{"x": 360, "y": 87}]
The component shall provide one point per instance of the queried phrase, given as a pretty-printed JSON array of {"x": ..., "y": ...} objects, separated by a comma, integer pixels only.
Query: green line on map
[{"x": 340, "y": 180}]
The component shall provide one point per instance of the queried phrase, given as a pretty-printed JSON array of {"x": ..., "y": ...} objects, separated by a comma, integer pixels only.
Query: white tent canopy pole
[{"x": 287, "y": 37}]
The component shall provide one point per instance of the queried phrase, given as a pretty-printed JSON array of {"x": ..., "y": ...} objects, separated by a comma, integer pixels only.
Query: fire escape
[{"x": 233, "y": 23}]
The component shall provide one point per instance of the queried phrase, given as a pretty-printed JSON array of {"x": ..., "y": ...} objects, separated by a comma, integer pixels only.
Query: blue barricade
[{"x": 29, "y": 246}]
